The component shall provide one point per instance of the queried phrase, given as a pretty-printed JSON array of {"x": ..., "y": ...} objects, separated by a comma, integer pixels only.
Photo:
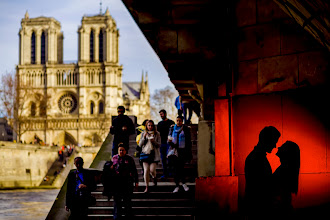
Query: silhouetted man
[{"x": 258, "y": 175}]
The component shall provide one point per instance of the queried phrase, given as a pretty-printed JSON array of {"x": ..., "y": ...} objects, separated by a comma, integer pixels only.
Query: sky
[{"x": 135, "y": 53}]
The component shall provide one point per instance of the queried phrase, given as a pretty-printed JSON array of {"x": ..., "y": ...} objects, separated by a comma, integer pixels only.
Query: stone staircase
[{"x": 160, "y": 202}]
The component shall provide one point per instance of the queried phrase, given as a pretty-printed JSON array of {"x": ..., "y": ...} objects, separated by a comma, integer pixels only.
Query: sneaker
[
  {"x": 185, "y": 187},
  {"x": 176, "y": 189}
]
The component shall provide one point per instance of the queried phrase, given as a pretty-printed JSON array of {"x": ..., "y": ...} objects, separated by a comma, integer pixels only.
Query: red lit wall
[
  {"x": 281, "y": 80},
  {"x": 302, "y": 117}
]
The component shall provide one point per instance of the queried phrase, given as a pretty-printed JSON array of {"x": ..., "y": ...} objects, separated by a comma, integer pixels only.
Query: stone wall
[{"x": 24, "y": 165}]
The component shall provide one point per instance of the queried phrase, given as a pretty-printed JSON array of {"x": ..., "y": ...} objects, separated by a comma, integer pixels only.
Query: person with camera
[{"x": 78, "y": 195}]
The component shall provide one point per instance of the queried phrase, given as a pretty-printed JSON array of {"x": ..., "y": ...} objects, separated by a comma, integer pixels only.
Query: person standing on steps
[
  {"x": 150, "y": 155},
  {"x": 80, "y": 184},
  {"x": 122, "y": 127},
  {"x": 125, "y": 174},
  {"x": 163, "y": 128},
  {"x": 180, "y": 139}
]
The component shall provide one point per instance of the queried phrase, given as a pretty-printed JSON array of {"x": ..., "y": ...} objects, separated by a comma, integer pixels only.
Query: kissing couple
[{"x": 269, "y": 195}]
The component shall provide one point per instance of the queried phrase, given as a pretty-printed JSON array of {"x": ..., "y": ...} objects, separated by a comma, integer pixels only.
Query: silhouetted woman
[{"x": 286, "y": 179}]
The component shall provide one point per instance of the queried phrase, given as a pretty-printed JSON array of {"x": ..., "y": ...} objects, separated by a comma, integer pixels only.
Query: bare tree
[
  {"x": 164, "y": 99},
  {"x": 13, "y": 96}
]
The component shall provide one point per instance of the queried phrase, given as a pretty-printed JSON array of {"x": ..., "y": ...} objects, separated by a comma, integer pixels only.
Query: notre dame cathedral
[{"x": 73, "y": 103}]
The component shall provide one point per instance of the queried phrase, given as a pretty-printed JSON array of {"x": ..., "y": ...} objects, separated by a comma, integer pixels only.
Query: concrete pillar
[
  {"x": 205, "y": 151},
  {"x": 223, "y": 160}
]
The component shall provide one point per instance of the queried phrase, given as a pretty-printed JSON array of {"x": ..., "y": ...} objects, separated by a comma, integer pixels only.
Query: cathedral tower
[
  {"x": 40, "y": 41},
  {"x": 70, "y": 103}
]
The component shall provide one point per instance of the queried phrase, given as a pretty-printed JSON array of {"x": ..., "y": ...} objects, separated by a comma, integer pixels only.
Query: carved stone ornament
[{"x": 67, "y": 103}]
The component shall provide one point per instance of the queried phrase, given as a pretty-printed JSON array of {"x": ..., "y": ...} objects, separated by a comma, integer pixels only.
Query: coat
[
  {"x": 156, "y": 144},
  {"x": 125, "y": 174},
  {"x": 88, "y": 180},
  {"x": 185, "y": 153}
]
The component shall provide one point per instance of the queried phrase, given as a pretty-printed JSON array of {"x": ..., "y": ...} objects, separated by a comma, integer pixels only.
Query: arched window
[
  {"x": 101, "y": 46},
  {"x": 101, "y": 109},
  {"x": 92, "y": 107},
  {"x": 33, "y": 109},
  {"x": 33, "y": 48},
  {"x": 91, "y": 47},
  {"x": 43, "y": 48}
]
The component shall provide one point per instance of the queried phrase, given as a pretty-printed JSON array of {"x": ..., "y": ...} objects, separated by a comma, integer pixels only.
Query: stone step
[
  {"x": 161, "y": 187},
  {"x": 155, "y": 195},
  {"x": 160, "y": 203},
  {"x": 142, "y": 217},
  {"x": 146, "y": 210},
  {"x": 148, "y": 202}
]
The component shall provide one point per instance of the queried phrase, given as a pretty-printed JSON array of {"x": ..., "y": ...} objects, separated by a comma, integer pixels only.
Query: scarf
[{"x": 178, "y": 131}]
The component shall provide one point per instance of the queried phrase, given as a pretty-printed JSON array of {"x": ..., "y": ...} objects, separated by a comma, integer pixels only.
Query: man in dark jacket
[
  {"x": 258, "y": 175},
  {"x": 122, "y": 127},
  {"x": 163, "y": 128},
  {"x": 80, "y": 184}
]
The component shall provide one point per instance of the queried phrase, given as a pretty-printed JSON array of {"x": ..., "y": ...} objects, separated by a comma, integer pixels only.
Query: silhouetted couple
[{"x": 269, "y": 195}]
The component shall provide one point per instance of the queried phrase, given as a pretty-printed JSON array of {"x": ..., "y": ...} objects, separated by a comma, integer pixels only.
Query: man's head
[
  {"x": 162, "y": 114},
  {"x": 121, "y": 150},
  {"x": 79, "y": 162},
  {"x": 121, "y": 110},
  {"x": 268, "y": 137}
]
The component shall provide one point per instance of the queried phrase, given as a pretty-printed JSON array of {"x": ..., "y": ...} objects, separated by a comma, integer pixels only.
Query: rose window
[{"x": 67, "y": 103}]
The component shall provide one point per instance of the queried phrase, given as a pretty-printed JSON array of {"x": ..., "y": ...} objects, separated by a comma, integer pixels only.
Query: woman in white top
[{"x": 150, "y": 154}]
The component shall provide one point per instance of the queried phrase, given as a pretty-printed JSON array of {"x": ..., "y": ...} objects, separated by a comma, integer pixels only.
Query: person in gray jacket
[{"x": 150, "y": 154}]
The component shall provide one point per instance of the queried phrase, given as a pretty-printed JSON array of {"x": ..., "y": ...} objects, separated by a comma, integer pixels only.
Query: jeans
[
  {"x": 120, "y": 200},
  {"x": 163, "y": 155},
  {"x": 186, "y": 107}
]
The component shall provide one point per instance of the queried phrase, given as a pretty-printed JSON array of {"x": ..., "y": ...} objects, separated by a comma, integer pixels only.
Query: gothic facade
[{"x": 71, "y": 103}]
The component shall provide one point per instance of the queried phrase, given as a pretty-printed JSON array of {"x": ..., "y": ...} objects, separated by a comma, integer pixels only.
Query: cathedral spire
[
  {"x": 146, "y": 77},
  {"x": 26, "y": 16},
  {"x": 107, "y": 13},
  {"x": 142, "y": 82}
]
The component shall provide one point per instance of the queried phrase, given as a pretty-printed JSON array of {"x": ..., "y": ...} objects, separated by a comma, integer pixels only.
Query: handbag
[{"x": 144, "y": 156}]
